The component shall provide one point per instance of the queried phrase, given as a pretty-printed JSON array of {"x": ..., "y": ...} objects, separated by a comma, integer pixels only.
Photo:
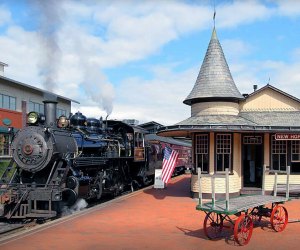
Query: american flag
[{"x": 169, "y": 162}]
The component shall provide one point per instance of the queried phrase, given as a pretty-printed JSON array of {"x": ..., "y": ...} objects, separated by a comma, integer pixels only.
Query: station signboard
[
  {"x": 158, "y": 183},
  {"x": 287, "y": 137}
]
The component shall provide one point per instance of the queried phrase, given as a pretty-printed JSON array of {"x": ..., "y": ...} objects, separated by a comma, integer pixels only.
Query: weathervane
[{"x": 214, "y": 18}]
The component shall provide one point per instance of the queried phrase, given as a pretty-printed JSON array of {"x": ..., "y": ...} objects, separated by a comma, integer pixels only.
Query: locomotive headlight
[
  {"x": 62, "y": 122},
  {"x": 32, "y": 118}
]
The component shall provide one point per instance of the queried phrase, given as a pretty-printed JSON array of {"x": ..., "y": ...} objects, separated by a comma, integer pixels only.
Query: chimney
[
  {"x": 254, "y": 87},
  {"x": 2, "y": 65},
  {"x": 50, "y": 104}
]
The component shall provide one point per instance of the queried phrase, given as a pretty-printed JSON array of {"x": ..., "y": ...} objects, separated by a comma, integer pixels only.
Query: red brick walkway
[{"x": 151, "y": 219}]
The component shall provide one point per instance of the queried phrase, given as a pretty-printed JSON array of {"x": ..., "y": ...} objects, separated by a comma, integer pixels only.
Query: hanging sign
[{"x": 287, "y": 137}]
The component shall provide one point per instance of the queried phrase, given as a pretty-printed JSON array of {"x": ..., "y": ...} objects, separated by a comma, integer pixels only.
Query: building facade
[
  {"x": 243, "y": 133},
  {"x": 16, "y": 100}
]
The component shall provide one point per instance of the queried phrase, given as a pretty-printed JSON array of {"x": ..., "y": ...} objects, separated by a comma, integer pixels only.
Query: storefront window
[
  {"x": 201, "y": 152},
  {"x": 60, "y": 112},
  {"x": 37, "y": 107},
  {"x": 279, "y": 154},
  {"x": 223, "y": 152}
]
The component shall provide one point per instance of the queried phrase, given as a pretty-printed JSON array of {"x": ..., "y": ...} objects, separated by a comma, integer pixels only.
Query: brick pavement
[{"x": 149, "y": 219}]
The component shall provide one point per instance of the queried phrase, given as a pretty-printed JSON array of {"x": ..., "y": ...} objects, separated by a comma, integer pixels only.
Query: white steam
[{"x": 79, "y": 205}]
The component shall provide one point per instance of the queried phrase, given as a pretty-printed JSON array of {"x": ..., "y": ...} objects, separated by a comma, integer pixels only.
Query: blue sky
[{"x": 140, "y": 59}]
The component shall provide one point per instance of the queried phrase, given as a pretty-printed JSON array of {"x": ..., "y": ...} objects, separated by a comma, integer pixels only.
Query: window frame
[
  {"x": 279, "y": 142},
  {"x": 206, "y": 151},
  {"x": 230, "y": 154},
  {"x": 11, "y": 102}
]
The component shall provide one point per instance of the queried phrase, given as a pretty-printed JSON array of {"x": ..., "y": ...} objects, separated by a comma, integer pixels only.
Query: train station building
[
  {"x": 239, "y": 132},
  {"x": 16, "y": 100}
]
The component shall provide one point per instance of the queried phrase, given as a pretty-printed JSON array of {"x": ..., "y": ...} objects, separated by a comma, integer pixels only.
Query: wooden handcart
[{"x": 242, "y": 212}]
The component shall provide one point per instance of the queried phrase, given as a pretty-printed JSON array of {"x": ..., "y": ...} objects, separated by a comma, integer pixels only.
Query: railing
[
  {"x": 213, "y": 177},
  {"x": 226, "y": 176},
  {"x": 276, "y": 172}
]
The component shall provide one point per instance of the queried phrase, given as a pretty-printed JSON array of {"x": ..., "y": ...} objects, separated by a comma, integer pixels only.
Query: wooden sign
[
  {"x": 158, "y": 183},
  {"x": 287, "y": 137}
]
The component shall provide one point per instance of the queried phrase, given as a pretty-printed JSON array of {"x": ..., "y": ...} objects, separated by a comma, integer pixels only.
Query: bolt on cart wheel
[
  {"x": 213, "y": 225},
  {"x": 279, "y": 218},
  {"x": 243, "y": 228}
]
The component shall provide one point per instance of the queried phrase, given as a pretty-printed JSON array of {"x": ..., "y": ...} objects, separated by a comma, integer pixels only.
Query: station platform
[{"x": 147, "y": 219}]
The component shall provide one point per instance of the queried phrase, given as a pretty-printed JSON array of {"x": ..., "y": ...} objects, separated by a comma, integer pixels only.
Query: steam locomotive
[{"x": 55, "y": 162}]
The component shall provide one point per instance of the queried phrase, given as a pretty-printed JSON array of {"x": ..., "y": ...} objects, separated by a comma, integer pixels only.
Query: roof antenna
[{"x": 269, "y": 81}]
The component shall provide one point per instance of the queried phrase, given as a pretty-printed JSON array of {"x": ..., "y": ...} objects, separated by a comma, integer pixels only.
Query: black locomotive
[{"x": 57, "y": 161}]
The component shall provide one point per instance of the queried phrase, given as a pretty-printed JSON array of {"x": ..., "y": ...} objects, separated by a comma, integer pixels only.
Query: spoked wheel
[
  {"x": 213, "y": 225},
  {"x": 279, "y": 218},
  {"x": 243, "y": 228}
]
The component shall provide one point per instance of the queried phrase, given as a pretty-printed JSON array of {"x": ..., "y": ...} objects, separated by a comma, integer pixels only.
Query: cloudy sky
[{"x": 140, "y": 59}]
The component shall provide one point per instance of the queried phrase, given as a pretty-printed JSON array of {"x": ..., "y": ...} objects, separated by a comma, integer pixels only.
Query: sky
[{"x": 134, "y": 59}]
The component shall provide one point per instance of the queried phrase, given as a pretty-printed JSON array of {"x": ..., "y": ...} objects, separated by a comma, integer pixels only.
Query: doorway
[{"x": 252, "y": 151}]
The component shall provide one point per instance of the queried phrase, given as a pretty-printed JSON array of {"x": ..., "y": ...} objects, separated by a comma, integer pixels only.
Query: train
[{"x": 56, "y": 162}]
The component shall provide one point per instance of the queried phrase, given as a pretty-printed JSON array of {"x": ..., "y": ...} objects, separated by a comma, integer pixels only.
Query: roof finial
[{"x": 214, "y": 14}]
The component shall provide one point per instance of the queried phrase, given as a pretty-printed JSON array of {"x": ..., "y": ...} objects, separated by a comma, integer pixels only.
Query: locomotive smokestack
[{"x": 50, "y": 104}]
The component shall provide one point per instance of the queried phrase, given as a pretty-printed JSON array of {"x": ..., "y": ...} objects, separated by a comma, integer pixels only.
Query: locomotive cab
[{"x": 133, "y": 139}]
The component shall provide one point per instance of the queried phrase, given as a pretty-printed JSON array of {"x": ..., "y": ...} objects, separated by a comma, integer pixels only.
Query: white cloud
[
  {"x": 158, "y": 99},
  {"x": 288, "y": 7},
  {"x": 96, "y": 35},
  {"x": 241, "y": 12},
  {"x": 5, "y": 16},
  {"x": 235, "y": 48}
]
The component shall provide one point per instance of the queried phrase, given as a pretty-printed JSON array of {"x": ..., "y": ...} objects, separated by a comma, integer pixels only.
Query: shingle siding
[{"x": 214, "y": 79}]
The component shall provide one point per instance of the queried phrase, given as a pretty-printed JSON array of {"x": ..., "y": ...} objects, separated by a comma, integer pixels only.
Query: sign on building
[{"x": 291, "y": 137}]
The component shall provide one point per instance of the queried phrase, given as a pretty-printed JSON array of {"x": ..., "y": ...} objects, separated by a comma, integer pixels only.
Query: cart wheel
[
  {"x": 279, "y": 218},
  {"x": 243, "y": 228},
  {"x": 213, "y": 225}
]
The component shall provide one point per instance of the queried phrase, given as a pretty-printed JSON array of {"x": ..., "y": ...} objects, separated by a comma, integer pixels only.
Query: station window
[
  {"x": 223, "y": 152},
  {"x": 202, "y": 152},
  {"x": 7, "y": 102},
  {"x": 295, "y": 151},
  {"x": 295, "y": 156},
  {"x": 279, "y": 154}
]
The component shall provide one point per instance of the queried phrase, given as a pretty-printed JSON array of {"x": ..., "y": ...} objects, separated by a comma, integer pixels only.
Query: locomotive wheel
[
  {"x": 243, "y": 228},
  {"x": 279, "y": 218},
  {"x": 213, "y": 225}
]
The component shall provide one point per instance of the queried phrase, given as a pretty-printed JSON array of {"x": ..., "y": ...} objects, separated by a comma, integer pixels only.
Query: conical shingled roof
[{"x": 214, "y": 81}]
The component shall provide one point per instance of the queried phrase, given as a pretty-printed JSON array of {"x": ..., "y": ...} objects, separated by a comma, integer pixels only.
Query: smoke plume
[{"x": 49, "y": 15}]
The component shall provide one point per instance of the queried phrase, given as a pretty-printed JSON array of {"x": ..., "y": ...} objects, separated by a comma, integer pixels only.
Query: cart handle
[{"x": 213, "y": 195}]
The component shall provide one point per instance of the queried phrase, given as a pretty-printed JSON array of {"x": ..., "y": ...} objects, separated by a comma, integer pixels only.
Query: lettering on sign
[{"x": 291, "y": 137}]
